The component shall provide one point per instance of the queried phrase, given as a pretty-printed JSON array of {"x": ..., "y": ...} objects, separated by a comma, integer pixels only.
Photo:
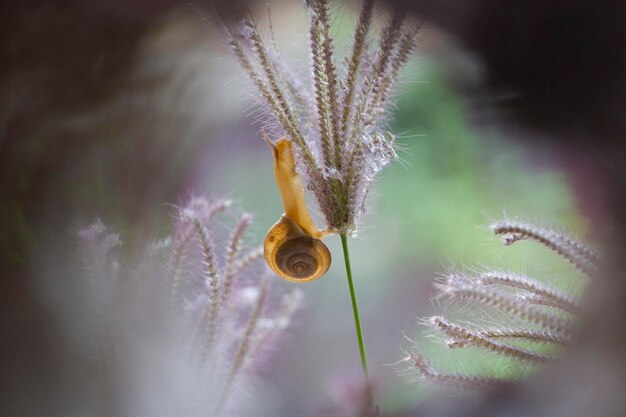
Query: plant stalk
[{"x": 357, "y": 319}]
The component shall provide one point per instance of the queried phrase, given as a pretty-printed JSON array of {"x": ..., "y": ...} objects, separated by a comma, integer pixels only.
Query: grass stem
[{"x": 357, "y": 319}]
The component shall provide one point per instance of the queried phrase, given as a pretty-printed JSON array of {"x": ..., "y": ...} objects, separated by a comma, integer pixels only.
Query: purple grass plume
[
  {"x": 190, "y": 320},
  {"x": 336, "y": 112},
  {"x": 530, "y": 322}
]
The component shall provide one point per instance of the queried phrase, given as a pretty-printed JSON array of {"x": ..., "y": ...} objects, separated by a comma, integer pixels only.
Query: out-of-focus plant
[
  {"x": 518, "y": 317},
  {"x": 333, "y": 120},
  {"x": 196, "y": 314}
]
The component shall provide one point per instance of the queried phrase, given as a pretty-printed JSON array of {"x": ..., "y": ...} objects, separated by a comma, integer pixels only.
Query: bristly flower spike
[
  {"x": 579, "y": 254},
  {"x": 543, "y": 315},
  {"x": 205, "y": 296},
  {"x": 347, "y": 146}
]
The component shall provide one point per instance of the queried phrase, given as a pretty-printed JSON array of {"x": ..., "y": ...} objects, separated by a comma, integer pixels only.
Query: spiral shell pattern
[{"x": 294, "y": 255}]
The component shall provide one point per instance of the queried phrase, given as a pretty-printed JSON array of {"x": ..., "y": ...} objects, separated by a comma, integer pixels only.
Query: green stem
[{"x": 357, "y": 319}]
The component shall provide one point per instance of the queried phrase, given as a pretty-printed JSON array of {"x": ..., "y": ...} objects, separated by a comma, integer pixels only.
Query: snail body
[{"x": 293, "y": 248}]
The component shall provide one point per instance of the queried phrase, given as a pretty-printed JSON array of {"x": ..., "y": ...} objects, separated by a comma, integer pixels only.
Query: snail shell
[{"x": 293, "y": 254}]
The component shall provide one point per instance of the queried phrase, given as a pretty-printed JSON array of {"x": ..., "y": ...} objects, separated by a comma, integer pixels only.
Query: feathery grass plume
[
  {"x": 579, "y": 254},
  {"x": 200, "y": 295},
  {"x": 427, "y": 372},
  {"x": 340, "y": 142},
  {"x": 544, "y": 318}
]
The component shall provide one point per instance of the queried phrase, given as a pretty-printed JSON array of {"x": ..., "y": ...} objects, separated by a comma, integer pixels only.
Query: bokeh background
[{"x": 176, "y": 117}]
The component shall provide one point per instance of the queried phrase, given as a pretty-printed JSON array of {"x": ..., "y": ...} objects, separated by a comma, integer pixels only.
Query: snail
[{"x": 293, "y": 248}]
